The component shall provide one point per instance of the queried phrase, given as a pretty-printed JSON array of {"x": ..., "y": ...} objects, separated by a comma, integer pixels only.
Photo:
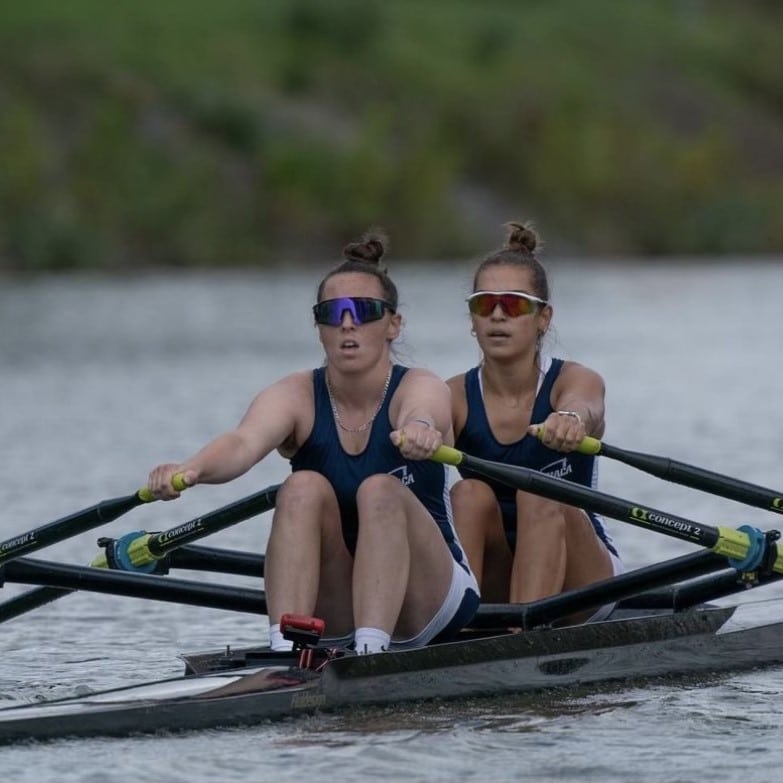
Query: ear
[
  {"x": 544, "y": 318},
  {"x": 395, "y": 327}
]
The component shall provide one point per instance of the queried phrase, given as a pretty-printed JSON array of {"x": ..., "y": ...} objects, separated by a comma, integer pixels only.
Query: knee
[
  {"x": 379, "y": 489},
  {"x": 303, "y": 490},
  {"x": 540, "y": 515},
  {"x": 473, "y": 496}
]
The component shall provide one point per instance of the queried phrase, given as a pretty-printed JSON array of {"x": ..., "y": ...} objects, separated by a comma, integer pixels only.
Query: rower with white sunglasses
[{"x": 521, "y": 407}]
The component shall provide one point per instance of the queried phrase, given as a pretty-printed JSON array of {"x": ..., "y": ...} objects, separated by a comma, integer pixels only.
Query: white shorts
[{"x": 456, "y": 611}]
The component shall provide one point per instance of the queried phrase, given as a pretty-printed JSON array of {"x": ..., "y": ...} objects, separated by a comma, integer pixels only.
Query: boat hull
[{"x": 696, "y": 642}]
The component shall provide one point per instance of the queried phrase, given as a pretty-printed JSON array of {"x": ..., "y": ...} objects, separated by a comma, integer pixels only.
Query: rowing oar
[
  {"x": 697, "y": 590},
  {"x": 747, "y": 548},
  {"x": 149, "y": 548},
  {"x": 232, "y": 598},
  {"x": 219, "y": 561},
  {"x": 688, "y": 475},
  {"x": 80, "y": 521},
  {"x": 140, "y": 551},
  {"x": 251, "y": 601},
  {"x": 629, "y": 584},
  {"x": 158, "y": 588}
]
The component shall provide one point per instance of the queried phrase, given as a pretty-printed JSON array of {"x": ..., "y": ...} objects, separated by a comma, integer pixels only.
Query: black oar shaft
[
  {"x": 159, "y": 544},
  {"x": 158, "y": 588},
  {"x": 168, "y": 542},
  {"x": 709, "y": 588},
  {"x": 690, "y": 476},
  {"x": 190, "y": 557},
  {"x": 26, "y": 602},
  {"x": 224, "y": 561},
  {"x": 66, "y": 527},
  {"x": 746, "y": 549},
  {"x": 78, "y": 522},
  {"x": 147, "y": 548},
  {"x": 590, "y": 499},
  {"x": 558, "y": 607}
]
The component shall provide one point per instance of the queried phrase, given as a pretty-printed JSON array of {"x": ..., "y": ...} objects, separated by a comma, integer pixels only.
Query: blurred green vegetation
[{"x": 164, "y": 132}]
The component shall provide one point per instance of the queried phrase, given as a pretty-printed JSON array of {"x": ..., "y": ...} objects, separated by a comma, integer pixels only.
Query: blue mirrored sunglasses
[{"x": 362, "y": 309}]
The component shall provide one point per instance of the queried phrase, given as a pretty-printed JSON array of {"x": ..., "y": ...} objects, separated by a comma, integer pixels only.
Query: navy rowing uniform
[
  {"x": 323, "y": 453},
  {"x": 478, "y": 440}
]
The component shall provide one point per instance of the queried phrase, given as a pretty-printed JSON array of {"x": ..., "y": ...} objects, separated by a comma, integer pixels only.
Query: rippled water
[{"x": 102, "y": 378}]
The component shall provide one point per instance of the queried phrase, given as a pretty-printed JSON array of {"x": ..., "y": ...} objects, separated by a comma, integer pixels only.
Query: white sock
[
  {"x": 371, "y": 640},
  {"x": 276, "y": 640}
]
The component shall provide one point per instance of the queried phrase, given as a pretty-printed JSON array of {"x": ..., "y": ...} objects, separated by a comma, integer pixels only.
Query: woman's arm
[
  {"x": 270, "y": 421},
  {"x": 421, "y": 415},
  {"x": 578, "y": 401}
]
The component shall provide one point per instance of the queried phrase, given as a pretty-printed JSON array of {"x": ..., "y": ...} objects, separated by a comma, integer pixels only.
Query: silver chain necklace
[{"x": 364, "y": 427}]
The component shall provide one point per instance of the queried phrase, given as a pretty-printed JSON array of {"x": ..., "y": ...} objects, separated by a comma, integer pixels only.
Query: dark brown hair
[
  {"x": 365, "y": 256},
  {"x": 519, "y": 250}
]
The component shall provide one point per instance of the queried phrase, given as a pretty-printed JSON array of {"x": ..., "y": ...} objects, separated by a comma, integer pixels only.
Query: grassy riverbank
[{"x": 246, "y": 132}]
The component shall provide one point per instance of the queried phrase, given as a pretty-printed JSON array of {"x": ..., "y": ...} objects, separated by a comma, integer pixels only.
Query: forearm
[
  {"x": 221, "y": 460},
  {"x": 581, "y": 391},
  {"x": 589, "y": 412}
]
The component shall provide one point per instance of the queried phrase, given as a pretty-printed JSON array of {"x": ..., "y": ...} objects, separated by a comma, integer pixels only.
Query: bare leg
[
  {"x": 557, "y": 549},
  {"x": 402, "y": 566},
  {"x": 480, "y": 529},
  {"x": 308, "y": 567}
]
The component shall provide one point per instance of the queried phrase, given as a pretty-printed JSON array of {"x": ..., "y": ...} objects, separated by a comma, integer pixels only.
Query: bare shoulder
[
  {"x": 291, "y": 390},
  {"x": 297, "y": 381},
  {"x": 574, "y": 371},
  {"x": 282, "y": 413},
  {"x": 419, "y": 376}
]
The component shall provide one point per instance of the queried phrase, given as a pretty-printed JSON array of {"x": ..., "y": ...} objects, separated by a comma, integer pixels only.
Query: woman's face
[
  {"x": 499, "y": 334},
  {"x": 352, "y": 346}
]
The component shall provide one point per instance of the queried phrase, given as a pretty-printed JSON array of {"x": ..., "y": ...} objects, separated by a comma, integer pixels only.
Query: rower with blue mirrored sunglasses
[
  {"x": 363, "y": 310},
  {"x": 512, "y": 303}
]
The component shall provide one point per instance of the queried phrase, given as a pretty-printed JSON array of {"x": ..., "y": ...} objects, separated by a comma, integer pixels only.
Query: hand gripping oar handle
[
  {"x": 201, "y": 526},
  {"x": 177, "y": 482},
  {"x": 746, "y": 551},
  {"x": 689, "y": 475}
]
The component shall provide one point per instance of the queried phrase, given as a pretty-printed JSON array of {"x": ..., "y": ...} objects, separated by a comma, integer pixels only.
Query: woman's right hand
[{"x": 160, "y": 480}]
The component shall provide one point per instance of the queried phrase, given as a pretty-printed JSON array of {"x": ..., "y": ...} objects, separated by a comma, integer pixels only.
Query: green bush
[{"x": 201, "y": 134}]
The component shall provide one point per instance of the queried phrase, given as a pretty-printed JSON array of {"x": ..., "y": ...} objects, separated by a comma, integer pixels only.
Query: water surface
[{"x": 103, "y": 378}]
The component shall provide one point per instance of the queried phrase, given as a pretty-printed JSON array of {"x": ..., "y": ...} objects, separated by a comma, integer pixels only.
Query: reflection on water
[{"x": 103, "y": 378}]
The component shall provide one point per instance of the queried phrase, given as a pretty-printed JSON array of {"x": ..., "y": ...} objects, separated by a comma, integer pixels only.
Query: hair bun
[
  {"x": 370, "y": 249},
  {"x": 521, "y": 238}
]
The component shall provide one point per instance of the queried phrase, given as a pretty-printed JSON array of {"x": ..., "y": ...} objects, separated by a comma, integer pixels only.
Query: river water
[{"x": 104, "y": 377}]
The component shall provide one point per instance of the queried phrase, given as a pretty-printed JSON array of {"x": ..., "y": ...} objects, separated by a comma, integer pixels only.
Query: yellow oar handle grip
[
  {"x": 177, "y": 481},
  {"x": 589, "y": 445},
  {"x": 447, "y": 455}
]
